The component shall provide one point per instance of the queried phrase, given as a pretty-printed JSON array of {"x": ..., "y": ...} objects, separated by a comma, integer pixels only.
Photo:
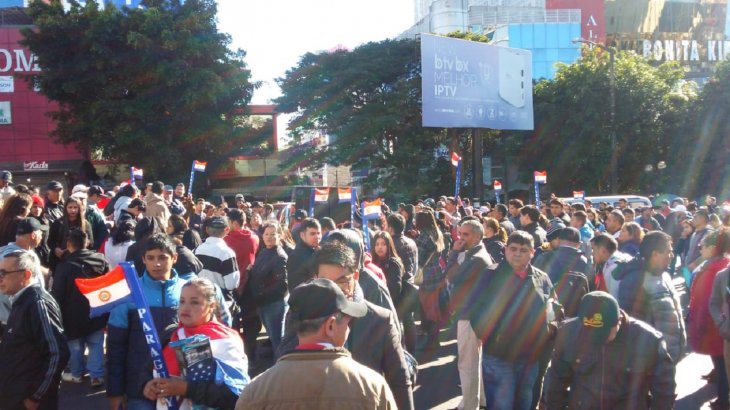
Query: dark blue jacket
[{"x": 128, "y": 358}]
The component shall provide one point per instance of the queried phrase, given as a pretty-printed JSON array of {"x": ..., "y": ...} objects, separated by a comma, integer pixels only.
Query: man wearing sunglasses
[{"x": 33, "y": 351}]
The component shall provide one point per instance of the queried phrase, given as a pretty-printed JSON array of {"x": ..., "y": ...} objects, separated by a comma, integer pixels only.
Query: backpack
[{"x": 569, "y": 289}]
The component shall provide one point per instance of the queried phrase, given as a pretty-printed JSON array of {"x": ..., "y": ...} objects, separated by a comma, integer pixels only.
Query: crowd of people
[{"x": 554, "y": 306}]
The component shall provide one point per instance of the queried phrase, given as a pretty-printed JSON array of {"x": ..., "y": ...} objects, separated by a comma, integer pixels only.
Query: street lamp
[{"x": 612, "y": 132}]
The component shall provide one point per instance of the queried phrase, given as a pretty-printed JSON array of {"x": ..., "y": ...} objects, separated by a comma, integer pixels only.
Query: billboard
[{"x": 475, "y": 85}]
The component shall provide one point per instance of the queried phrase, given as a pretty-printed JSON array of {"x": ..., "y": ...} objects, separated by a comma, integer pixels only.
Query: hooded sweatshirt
[{"x": 245, "y": 244}]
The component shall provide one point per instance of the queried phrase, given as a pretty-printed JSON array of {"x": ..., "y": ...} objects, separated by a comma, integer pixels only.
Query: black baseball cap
[
  {"x": 239, "y": 197},
  {"x": 95, "y": 190},
  {"x": 28, "y": 225},
  {"x": 320, "y": 298},
  {"x": 599, "y": 313},
  {"x": 218, "y": 222},
  {"x": 300, "y": 214},
  {"x": 53, "y": 186}
]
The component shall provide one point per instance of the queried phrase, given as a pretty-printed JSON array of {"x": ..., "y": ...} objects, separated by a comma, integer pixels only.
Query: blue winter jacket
[{"x": 128, "y": 357}]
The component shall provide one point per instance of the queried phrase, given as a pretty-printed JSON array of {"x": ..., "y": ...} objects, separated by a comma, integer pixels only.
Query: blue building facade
[{"x": 550, "y": 43}]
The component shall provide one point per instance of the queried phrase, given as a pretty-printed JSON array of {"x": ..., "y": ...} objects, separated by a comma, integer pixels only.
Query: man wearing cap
[
  {"x": 374, "y": 339},
  {"x": 219, "y": 260},
  {"x": 155, "y": 203},
  {"x": 299, "y": 216},
  {"x": 319, "y": 373},
  {"x": 6, "y": 191},
  {"x": 175, "y": 206},
  {"x": 605, "y": 359},
  {"x": 54, "y": 202},
  {"x": 240, "y": 201}
]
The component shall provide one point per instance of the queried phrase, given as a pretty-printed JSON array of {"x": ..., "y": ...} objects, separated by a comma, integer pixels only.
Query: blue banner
[
  {"x": 497, "y": 193},
  {"x": 148, "y": 326},
  {"x": 365, "y": 222},
  {"x": 470, "y": 84},
  {"x": 537, "y": 194}
]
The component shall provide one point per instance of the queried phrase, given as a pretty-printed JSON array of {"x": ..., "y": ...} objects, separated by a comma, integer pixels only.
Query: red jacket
[
  {"x": 244, "y": 243},
  {"x": 704, "y": 338}
]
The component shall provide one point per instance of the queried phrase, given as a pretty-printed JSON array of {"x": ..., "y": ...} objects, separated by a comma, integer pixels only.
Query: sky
[{"x": 276, "y": 33}]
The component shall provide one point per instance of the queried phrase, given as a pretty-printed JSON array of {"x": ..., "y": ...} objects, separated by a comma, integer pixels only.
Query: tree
[
  {"x": 150, "y": 86},
  {"x": 708, "y": 149},
  {"x": 368, "y": 101},
  {"x": 572, "y": 118}
]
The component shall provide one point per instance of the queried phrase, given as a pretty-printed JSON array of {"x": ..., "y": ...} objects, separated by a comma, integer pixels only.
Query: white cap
[{"x": 80, "y": 188}]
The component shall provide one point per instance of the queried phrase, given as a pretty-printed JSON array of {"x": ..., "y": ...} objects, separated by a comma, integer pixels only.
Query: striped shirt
[{"x": 219, "y": 264}]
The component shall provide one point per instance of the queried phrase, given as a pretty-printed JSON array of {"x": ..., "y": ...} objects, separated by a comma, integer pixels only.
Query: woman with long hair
[
  {"x": 432, "y": 290},
  {"x": 387, "y": 259},
  {"x": 16, "y": 208},
  {"x": 74, "y": 216},
  {"x": 704, "y": 337},
  {"x": 630, "y": 238},
  {"x": 495, "y": 237},
  {"x": 180, "y": 234},
  {"x": 595, "y": 220},
  {"x": 267, "y": 283},
  {"x": 121, "y": 239},
  {"x": 199, "y": 314}
]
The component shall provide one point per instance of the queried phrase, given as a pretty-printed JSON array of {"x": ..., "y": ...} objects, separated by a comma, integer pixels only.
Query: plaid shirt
[
  {"x": 433, "y": 274},
  {"x": 408, "y": 253}
]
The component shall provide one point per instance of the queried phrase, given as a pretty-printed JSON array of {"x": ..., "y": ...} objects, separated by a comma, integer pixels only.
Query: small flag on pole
[
  {"x": 579, "y": 194},
  {"x": 455, "y": 158},
  {"x": 199, "y": 166},
  {"x": 344, "y": 195},
  {"x": 540, "y": 177},
  {"x": 105, "y": 292},
  {"x": 321, "y": 195},
  {"x": 138, "y": 173},
  {"x": 371, "y": 210},
  {"x": 497, "y": 185}
]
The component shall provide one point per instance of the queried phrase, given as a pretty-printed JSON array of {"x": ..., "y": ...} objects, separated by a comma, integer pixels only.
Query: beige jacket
[
  {"x": 156, "y": 207},
  {"x": 326, "y": 379}
]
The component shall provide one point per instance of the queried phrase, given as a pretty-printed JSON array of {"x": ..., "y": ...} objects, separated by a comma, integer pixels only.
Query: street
[{"x": 438, "y": 382}]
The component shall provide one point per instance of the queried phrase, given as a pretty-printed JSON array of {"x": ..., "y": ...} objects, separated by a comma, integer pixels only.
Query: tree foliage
[
  {"x": 573, "y": 122},
  {"x": 709, "y": 148},
  {"x": 150, "y": 86},
  {"x": 368, "y": 101}
]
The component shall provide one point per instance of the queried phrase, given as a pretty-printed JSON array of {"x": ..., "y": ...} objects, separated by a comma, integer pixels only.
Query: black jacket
[
  {"x": 33, "y": 351},
  {"x": 53, "y": 212},
  {"x": 84, "y": 264},
  {"x": 465, "y": 277},
  {"x": 510, "y": 314},
  {"x": 617, "y": 375},
  {"x": 300, "y": 265},
  {"x": 57, "y": 236},
  {"x": 564, "y": 259},
  {"x": 267, "y": 279}
]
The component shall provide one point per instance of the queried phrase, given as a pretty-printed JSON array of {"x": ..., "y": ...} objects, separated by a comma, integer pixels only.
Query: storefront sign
[
  {"x": 18, "y": 60},
  {"x": 7, "y": 84},
  {"x": 677, "y": 47},
  {"x": 593, "y": 16},
  {"x": 5, "y": 113},
  {"x": 35, "y": 166}
]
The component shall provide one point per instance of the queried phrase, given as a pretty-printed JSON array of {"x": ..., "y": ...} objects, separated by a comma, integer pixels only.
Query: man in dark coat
[
  {"x": 82, "y": 332},
  {"x": 374, "y": 339},
  {"x": 300, "y": 261},
  {"x": 604, "y": 340},
  {"x": 33, "y": 351}
]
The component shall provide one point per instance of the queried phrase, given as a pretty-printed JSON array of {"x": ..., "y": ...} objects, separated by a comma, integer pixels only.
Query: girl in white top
[{"x": 116, "y": 246}]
